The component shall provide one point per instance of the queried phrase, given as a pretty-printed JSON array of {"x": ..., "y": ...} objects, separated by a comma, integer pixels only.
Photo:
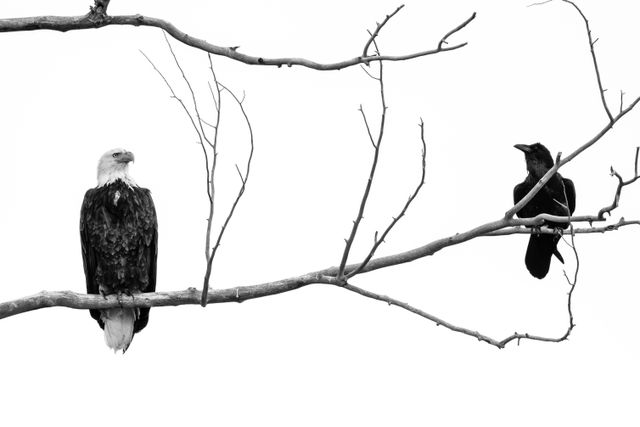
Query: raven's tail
[
  {"x": 118, "y": 327},
  {"x": 539, "y": 251}
]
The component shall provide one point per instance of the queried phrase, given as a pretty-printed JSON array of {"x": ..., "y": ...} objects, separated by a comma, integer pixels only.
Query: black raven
[{"x": 554, "y": 198}]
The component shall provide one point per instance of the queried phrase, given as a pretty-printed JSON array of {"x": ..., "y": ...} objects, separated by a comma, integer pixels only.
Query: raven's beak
[
  {"x": 126, "y": 157},
  {"x": 523, "y": 147}
]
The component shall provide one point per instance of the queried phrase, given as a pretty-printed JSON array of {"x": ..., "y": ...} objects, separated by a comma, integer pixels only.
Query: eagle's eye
[{"x": 115, "y": 155}]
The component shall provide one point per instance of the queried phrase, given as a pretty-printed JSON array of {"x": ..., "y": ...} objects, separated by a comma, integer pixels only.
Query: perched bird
[
  {"x": 557, "y": 195},
  {"x": 119, "y": 234}
]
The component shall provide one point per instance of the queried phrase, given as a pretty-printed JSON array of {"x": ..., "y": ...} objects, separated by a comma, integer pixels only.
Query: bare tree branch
[
  {"x": 374, "y": 164},
  {"x": 594, "y": 59},
  {"x": 438, "y": 321},
  {"x": 612, "y": 121},
  {"x": 210, "y": 167},
  {"x": 444, "y": 41},
  {"x": 540, "y": 3},
  {"x": 98, "y": 18},
  {"x": 243, "y": 178},
  {"x": 546, "y": 230},
  {"x": 336, "y": 275},
  {"x": 201, "y": 140},
  {"x": 377, "y": 30},
  {"x": 154, "y": 299},
  {"x": 217, "y": 102},
  {"x": 567, "y": 159},
  {"x": 378, "y": 241},
  {"x": 327, "y": 276},
  {"x": 366, "y": 124},
  {"x": 621, "y": 184}
]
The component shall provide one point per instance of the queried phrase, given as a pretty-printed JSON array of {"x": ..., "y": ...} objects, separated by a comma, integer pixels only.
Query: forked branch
[
  {"x": 612, "y": 121},
  {"x": 210, "y": 151},
  {"x": 621, "y": 183},
  {"x": 377, "y": 241},
  {"x": 336, "y": 275},
  {"x": 98, "y": 18},
  {"x": 376, "y": 153}
]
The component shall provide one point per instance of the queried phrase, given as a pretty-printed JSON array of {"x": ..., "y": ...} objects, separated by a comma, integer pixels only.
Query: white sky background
[{"x": 321, "y": 355}]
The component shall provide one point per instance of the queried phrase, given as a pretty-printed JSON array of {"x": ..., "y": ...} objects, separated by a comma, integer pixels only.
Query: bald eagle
[{"x": 119, "y": 234}]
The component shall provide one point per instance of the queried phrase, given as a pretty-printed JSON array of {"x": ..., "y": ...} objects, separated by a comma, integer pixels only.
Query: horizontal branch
[
  {"x": 190, "y": 296},
  {"x": 547, "y": 230},
  {"x": 97, "y": 18},
  {"x": 75, "y": 300}
]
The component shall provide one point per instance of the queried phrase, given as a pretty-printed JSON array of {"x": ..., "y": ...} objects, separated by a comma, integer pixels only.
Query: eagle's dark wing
[
  {"x": 89, "y": 256},
  {"x": 150, "y": 225}
]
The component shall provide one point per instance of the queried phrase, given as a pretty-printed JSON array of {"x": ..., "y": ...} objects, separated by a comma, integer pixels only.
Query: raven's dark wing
[
  {"x": 519, "y": 191},
  {"x": 570, "y": 190}
]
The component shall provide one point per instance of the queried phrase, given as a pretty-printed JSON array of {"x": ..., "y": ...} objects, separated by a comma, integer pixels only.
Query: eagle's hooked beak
[
  {"x": 523, "y": 147},
  {"x": 126, "y": 157}
]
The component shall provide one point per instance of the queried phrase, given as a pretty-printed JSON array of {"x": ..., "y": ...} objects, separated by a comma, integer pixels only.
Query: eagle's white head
[{"x": 114, "y": 165}]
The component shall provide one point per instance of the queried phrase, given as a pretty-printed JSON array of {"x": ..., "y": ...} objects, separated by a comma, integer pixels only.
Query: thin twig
[
  {"x": 193, "y": 95},
  {"x": 441, "y": 322},
  {"x": 540, "y": 3},
  {"x": 374, "y": 164},
  {"x": 572, "y": 284},
  {"x": 243, "y": 178},
  {"x": 438, "y": 321},
  {"x": 443, "y": 40},
  {"x": 621, "y": 184},
  {"x": 377, "y": 30},
  {"x": 366, "y": 124},
  {"x": 595, "y": 61},
  {"x": 212, "y": 173},
  {"x": 191, "y": 119},
  {"x": 378, "y": 241},
  {"x": 368, "y": 73}
]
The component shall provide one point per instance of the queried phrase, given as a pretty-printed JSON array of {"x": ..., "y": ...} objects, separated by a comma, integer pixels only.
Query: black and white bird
[
  {"x": 557, "y": 195},
  {"x": 119, "y": 234}
]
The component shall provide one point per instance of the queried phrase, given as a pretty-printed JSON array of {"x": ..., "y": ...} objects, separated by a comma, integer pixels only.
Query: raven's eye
[{"x": 115, "y": 155}]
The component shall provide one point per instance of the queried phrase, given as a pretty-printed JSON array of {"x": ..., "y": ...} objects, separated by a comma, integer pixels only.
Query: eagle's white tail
[{"x": 118, "y": 327}]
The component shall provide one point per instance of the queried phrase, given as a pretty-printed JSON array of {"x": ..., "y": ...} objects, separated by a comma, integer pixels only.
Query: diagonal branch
[
  {"x": 366, "y": 123},
  {"x": 612, "y": 121},
  {"x": 594, "y": 59},
  {"x": 201, "y": 139},
  {"x": 378, "y": 241},
  {"x": 574, "y": 154},
  {"x": 197, "y": 124},
  {"x": 444, "y": 41},
  {"x": 377, "y": 30},
  {"x": 374, "y": 164},
  {"x": 98, "y": 18},
  {"x": 459, "y": 329},
  {"x": 243, "y": 178},
  {"x": 327, "y": 276}
]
